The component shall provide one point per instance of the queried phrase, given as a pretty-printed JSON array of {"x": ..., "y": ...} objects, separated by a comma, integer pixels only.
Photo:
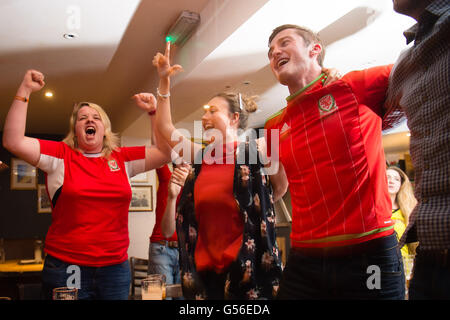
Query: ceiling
[{"x": 110, "y": 59}]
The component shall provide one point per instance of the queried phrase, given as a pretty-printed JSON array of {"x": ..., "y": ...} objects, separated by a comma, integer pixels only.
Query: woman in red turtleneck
[{"x": 225, "y": 218}]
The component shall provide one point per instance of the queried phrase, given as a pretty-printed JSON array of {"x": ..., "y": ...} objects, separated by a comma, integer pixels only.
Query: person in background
[
  {"x": 87, "y": 178},
  {"x": 163, "y": 253},
  {"x": 403, "y": 202},
  {"x": 420, "y": 88},
  {"x": 225, "y": 218},
  {"x": 177, "y": 181},
  {"x": 331, "y": 151},
  {"x": 163, "y": 250}
]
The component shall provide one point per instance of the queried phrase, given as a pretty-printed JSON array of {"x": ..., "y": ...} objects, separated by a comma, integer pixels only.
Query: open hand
[
  {"x": 332, "y": 75},
  {"x": 178, "y": 179},
  {"x": 146, "y": 101},
  {"x": 162, "y": 63}
]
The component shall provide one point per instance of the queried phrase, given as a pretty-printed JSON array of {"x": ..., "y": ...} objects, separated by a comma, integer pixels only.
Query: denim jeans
[
  {"x": 431, "y": 277},
  {"x": 375, "y": 273},
  {"x": 96, "y": 283},
  {"x": 164, "y": 260}
]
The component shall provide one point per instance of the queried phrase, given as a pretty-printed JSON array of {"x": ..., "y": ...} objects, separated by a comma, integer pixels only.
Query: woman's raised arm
[
  {"x": 14, "y": 139},
  {"x": 182, "y": 146}
]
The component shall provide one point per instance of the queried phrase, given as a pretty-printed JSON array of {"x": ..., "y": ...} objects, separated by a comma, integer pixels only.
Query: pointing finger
[{"x": 167, "y": 52}]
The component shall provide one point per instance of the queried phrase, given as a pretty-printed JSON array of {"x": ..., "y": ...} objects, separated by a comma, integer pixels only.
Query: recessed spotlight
[
  {"x": 49, "y": 94},
  {"x": 70, "y": 35}
]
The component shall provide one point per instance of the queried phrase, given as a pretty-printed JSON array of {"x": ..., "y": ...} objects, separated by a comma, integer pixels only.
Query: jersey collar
[{"x": 305, "y": 88}]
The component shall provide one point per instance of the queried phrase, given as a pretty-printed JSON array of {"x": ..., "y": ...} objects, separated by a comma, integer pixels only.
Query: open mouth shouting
[
  {"x": 90, "y": 131},
  {"x": 207, "y": 126},
  {"x": 281, "y": 62}
]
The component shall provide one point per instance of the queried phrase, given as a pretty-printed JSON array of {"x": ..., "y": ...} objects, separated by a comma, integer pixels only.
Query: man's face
[{"x": 288, "y": 55}]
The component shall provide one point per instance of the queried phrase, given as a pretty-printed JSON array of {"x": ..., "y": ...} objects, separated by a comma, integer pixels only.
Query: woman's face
[
  {"x": 394, "y": 181},
  {"x": 89, "y": 130},
  {"x": 218, "y": 120}
]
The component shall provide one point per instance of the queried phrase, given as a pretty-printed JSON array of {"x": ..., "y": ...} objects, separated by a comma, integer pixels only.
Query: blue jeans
[
  {"x": 372, "y": 270},
  {"x": 431, "y": 277},
  {"x": 96, "y": 283},
  {"x": 164, "y": 260}
]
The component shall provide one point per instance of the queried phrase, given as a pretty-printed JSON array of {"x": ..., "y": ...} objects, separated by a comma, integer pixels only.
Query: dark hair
[
  {"x": 241, "y": 104},
  {"x": 307, "y": 35}
]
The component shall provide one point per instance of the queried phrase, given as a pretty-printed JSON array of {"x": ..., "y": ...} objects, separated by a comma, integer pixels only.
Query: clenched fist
[
  {"x": 145, "y": 101},
  {"x": 33, "y": 81}
]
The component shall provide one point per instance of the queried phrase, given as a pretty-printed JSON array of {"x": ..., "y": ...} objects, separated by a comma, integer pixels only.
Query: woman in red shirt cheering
[{"x": 88, "y": 181}]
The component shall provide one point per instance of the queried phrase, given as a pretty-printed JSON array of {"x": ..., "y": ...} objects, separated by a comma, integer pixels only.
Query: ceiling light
[
  {"x": 183, "y": 28},
  {"x": 70, "y": 35},
  {"x": 3, "y": 166},
  {"x": 49, "y": 94}
]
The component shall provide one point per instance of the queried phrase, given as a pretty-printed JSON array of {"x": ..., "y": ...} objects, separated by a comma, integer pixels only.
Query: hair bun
[{"x": 250, "y": 103}]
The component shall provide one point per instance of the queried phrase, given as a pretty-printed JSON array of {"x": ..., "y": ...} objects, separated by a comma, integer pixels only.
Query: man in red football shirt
[{"x": 330, "y": 148}]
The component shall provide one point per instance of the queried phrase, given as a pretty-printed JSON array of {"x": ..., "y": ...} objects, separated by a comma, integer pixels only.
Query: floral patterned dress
[{"x": 256, "y": 272}]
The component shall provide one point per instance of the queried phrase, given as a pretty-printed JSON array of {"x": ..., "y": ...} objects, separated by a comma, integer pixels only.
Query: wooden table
[
  {"x": 14, "y": 275},
  {"x": 174, "y": 291},
  {"x": 16, "y": 266}
]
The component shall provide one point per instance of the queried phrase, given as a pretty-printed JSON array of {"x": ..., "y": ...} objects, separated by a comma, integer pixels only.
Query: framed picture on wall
[
  {"x": 141, "y": 178},
  {"x": 43, "y": 201},
  {"x": 142, "y": 198},
  {"x": 23, "y": 175}
]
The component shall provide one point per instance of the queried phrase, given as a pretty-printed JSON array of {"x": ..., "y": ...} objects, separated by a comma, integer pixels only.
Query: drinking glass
[
  {"x": 65, "y": 293},
  {"x": 153, "y": 287},
  {"x": 408, "y": 264}
]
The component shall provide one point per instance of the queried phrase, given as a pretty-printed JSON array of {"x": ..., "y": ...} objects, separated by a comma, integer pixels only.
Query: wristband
[
  {"x": 151, "y": 113},
  {"x": 21, "y": 98},
  {"x": 162, "y": 95}
]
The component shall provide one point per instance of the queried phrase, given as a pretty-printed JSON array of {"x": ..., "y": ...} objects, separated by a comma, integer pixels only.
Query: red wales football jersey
[
  {"x": 331, "y": 149},
  {"x": 90, "y": 198}
]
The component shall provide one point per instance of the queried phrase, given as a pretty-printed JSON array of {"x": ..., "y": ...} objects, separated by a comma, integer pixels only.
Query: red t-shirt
[
  {"x": 164, "y": 175},
  {"x": 90, "y": 198},
  {"x": 220, "y": 224},
  {"x": 331, "y": 149}
]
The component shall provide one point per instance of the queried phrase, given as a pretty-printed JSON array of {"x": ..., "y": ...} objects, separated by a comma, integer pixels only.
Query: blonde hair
[
  {"x": 405, "y": 195},
  {"x": 241, "y": 104},
  {"x": 111, "y": 140}
]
